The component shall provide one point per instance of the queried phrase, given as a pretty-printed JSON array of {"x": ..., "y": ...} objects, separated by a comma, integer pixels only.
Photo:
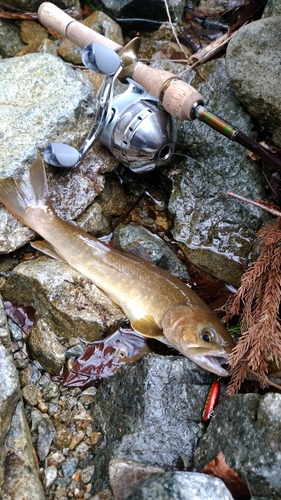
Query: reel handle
[
  {"x": 52, "y": 17},
  {"x": 177, "y": 97}
]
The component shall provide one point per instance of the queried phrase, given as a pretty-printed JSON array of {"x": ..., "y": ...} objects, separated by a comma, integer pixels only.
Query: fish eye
[{"x": 208, "y": 334}]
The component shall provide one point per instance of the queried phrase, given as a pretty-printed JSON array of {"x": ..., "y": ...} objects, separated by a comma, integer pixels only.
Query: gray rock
[
  {"x": 125, "y": 476},
  {"x": 17, "y": 467},
  {"x": 253, "y": 62},
  {"x": 93, "y": 221},
  {"x": 21, "y": 474},
  {"x": 69, "y": 466},
  {"x": 147, "y": 9},
  {"x": 272, "y": 8},
  {"x": 10, "y": 40},
  {"x": 138, "y": 240},
  {"x": 46, "y": 434},
  {"x": 45, "y": 347},
  {"x": 10, "y": 393},
  {"x": 69, "y": 304},
  {"x": 155, "y": 419},
  {"x": 182, "y": 486},
  {"x": 50, "y": 475},
  {"x": 246, "y": 428},
  {"x": 217, "y": 232},
  {"x": 44, "y": 100},
  {"x": 12, "y": 233}
]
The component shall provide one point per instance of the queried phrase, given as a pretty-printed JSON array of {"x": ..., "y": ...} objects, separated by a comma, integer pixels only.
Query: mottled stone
[
  {"x": 10, "y": 40},
  {"x": 93, "y": 221},
  {"x": 31, "y": 32},
  {"x": 253, "y": 62},
  {"x": 31, "y": 394},
  {"x": 182, "y": 486},
  {"x": 216, "y": 232},
  {"x": 45, "y": 347},
  {"x": 272, "y": 8},
  {"x": 50, "y": 475},
  {"x": 251, "y": 424},
  {"x": 125, "y": 476},
  {"x": 139, "y": 241},
  {"x": 43, "y": 100},
  {"x": 153, "y": 421},
  {"x": 69, "y": 303},
  {"x": 17, "y": 467},
  {"x": 69, "y": 466},
  {"x": 46, "y": 433}
]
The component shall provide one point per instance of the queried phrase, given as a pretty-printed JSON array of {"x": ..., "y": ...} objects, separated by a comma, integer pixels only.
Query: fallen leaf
[{"x": 236, "y": 485}]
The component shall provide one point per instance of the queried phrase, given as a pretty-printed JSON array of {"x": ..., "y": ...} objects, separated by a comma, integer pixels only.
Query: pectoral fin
[
  {"x": 45, "y": 247},
  {"x": 147, "y": 327}
]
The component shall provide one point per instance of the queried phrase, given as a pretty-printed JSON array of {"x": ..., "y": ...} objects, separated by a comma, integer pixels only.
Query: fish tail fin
[{"x": 29, "y": 191}]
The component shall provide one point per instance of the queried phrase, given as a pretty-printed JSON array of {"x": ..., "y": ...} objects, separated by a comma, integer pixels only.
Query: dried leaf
[
  {"x": 236, "y": 485},
  {"x": 23, "y": 316},
  {"x": 103, "y": 358}
]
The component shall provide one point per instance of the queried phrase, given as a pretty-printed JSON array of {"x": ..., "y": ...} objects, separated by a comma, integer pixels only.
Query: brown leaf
[{"x": 236, "y": 485}]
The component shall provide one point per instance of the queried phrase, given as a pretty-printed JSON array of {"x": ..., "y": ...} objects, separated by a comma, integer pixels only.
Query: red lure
[{"x": 211, "y": 401}]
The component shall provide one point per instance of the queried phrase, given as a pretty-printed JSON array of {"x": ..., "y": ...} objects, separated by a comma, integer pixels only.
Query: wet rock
[
  {"x": 69, "y": 304},
  {"x": 154, "y": 10},
  {"x": 10, "y": 40},
  {"x": 125, "y": 476},
  {"x": 253, "y": 63},
  {"x": 137, "y": 240},
  {"x": 44, "y": 100},
  {"x": 99, "y": 22},
  {"x": 46, "y": 434},
  {"x": 153, "y": 421},
  {"x": 45, "y": 347},
  {"x": 217, "y": 232},
  {"x": 251, "y": 424},
  {"x": 182, "y": 486},
  {"x": 112, "y": 199},
  {"x": 17, "y": 467},
  {"x": 93, "y": 221}
]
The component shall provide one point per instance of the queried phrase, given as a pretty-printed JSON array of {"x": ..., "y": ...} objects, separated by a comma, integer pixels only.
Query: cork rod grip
[
  {"x": 176, "y": 96},
  {"x": 52, "y": 17}
]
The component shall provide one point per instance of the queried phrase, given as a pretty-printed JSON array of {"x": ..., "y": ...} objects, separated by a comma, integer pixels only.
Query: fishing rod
[{"x": 127, "y": 124}]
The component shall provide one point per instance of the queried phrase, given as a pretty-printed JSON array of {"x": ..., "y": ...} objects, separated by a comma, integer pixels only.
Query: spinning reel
[{"x": 132, "y": 125}]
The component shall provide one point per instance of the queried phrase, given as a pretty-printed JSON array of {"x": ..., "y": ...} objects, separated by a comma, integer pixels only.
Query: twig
[
  {"x": 264, "y": 379},
  {"x": 260, "y": 204},
  {"x": 173, "y": 28}
]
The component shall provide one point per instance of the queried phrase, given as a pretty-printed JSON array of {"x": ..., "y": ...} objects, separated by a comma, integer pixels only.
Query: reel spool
[
  {"x": 133, "y": 125},
  {"x": 139, "y": 133}
]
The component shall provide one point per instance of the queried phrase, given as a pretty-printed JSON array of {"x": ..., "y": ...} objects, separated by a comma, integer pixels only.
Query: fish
[{"x": 157, "y": 304}]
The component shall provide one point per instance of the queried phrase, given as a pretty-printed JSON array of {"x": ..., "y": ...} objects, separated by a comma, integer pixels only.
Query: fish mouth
[{"x": 212, "y": 364}]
